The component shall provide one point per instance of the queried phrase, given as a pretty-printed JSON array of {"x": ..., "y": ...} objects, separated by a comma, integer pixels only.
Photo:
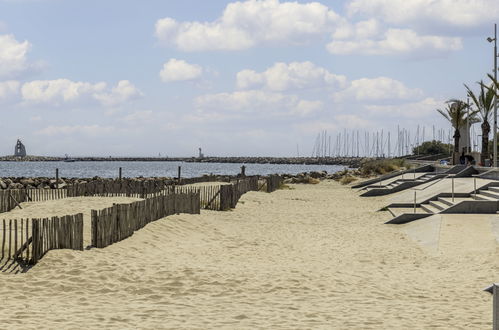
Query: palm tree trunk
[
  {"x": 485, "y": 141},
  {"x": 456, "y": 137}
]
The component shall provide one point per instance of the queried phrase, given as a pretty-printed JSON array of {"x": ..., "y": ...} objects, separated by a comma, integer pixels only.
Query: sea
[{"x": 110, "y": 169}]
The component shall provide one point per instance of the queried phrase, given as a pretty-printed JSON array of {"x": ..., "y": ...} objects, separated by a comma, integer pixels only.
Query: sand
[{"x": 313, "y": 257}]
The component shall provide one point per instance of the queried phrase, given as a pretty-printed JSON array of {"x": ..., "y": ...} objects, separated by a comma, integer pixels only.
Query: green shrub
[
  {"x": 382, "y": 166},
  {"x": 347, "y": 179},
  {"x": 432, "y": 148}
]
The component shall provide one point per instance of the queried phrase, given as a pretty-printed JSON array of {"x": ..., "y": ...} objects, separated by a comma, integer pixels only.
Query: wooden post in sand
[
  {"x": 474, "y": 186},
  {"x": 119, "y": 174},
  {"x": 495, "y": 307},
  {"x": 414, "y": 200},
  {"x": 56, "y": 178},
  {"x": 452, "y": 190},
  {"x": 494, "y": 290},
  {"x": 179, "y": 173}
]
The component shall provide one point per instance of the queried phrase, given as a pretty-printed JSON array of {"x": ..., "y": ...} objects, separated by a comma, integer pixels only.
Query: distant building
[
  {"x": 20, "y": 150},
  {"x": 201, "y": 155}
]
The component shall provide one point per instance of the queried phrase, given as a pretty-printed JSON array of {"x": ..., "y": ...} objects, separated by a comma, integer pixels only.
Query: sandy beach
[{"x": 311, "y": 257}]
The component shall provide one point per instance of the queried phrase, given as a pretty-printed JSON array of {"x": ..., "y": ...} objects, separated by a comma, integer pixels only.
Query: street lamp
[{"x": 489, "y": 39}]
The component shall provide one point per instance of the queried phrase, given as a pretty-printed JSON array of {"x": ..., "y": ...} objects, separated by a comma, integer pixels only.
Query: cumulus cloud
[
  {"x": 257, "y": 101},
  {"x": 9, "y": 89},
  {"x": 426, "y": 15},
  {"x": 377, "y": 89},
  {"x": 180, "y": 70},
  {"x": 123, "y": 92},
  {"x": 246, "y": 24},
  {"x": 60, "y": 91},
  {"x": 88, "y": 130},
  {"x": 420, "y": 109},
  {"x": 13, "y": 59},
  {"x": 394, "y": 42},
  {"x": 295, "y": 75}
]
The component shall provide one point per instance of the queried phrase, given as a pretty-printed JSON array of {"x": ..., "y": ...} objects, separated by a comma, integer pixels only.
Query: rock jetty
[
  {"x": 346, "y": 161},
  {"x": 50, "y": 183}
]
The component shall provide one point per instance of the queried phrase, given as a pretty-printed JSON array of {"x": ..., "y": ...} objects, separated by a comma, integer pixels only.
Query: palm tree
[
  {"x": 457, "y": 114},
  {"x": 495, "y": 83},
  {"x": 484, "y": 103}
]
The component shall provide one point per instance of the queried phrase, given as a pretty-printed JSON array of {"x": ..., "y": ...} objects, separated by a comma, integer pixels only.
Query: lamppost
[{"x": 489, "y": 39}]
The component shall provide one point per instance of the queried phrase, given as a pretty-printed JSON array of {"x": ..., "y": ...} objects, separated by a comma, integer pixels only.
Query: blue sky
[{"x": 235, "y": 78}]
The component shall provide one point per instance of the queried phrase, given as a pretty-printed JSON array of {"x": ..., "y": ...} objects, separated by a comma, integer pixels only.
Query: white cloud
[
  {"x": 377, "y": 89},
  {"x": 295, "y": 75},
  {"x": 429, "y": 14},
  {"x": 425, "y": 108},
  {"x": 59, "y": 90},
  {"x": 13, "y": 60},
  {"x": 351, "y": 121},
  {"x": 89, "y": 130},
  {"x": 394, "y": 42},
  {"x": 360, "y": 30},
  {"x": 9, "y": 89},
  {"x": 257, "y": 101},
  {"x": 123, "y": 92},
  {"x": 246, "y": 24},
  {"x": 64, "y": 90},
  {"x": 180, "y": 70}
]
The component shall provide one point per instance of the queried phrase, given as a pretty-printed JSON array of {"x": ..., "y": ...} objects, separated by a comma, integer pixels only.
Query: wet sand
[{"x": 313, "y": 257}]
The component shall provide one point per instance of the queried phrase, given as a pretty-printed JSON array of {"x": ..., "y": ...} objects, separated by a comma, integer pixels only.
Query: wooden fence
[
  {"x": 118, "y": 222},
  {"x": 124, "y": 187},
  {"x": 56, "y": 233},
  {"x": 40, "y": 195},
  {"x": 230, "y": 194},
  {"x": 221, "y": 197},
  {"x": 274, "y": 182},
  {"x": 209, "y": 196},
  {"x": 9, "y": 199},
  {"x": 205, "y": 178},
  {"x": 27, "y": 240}
]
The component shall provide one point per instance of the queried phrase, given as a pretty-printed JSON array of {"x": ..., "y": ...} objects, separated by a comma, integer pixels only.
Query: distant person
[
  {"x": 470, "y": 160},
  {"x": 462, "y": 159}
]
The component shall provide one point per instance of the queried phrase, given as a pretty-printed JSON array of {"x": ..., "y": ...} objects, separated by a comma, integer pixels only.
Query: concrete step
[
  {"x": 494, "y": 189},
  {"x": 439, "y": 205},
  {"x": 396, "y": 211},
  {"x": 482, "y": 197},
  {"x": 490, "y": 193},
  {"x": 448, "y": 200},
  {"x": 430, "y": 209}
]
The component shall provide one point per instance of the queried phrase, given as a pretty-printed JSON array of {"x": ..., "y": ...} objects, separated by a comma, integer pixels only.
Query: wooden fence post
[{"x": 56, "y": 178}]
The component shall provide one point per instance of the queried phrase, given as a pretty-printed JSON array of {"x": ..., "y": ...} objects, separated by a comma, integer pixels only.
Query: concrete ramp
[{"x": 455, "y": 234}]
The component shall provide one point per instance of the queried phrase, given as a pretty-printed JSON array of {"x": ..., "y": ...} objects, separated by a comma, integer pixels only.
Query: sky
[{"x": 246, "y": 78}]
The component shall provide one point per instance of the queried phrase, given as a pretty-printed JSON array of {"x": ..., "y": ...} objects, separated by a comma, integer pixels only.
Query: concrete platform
[{"x": 428, "y": 190}]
